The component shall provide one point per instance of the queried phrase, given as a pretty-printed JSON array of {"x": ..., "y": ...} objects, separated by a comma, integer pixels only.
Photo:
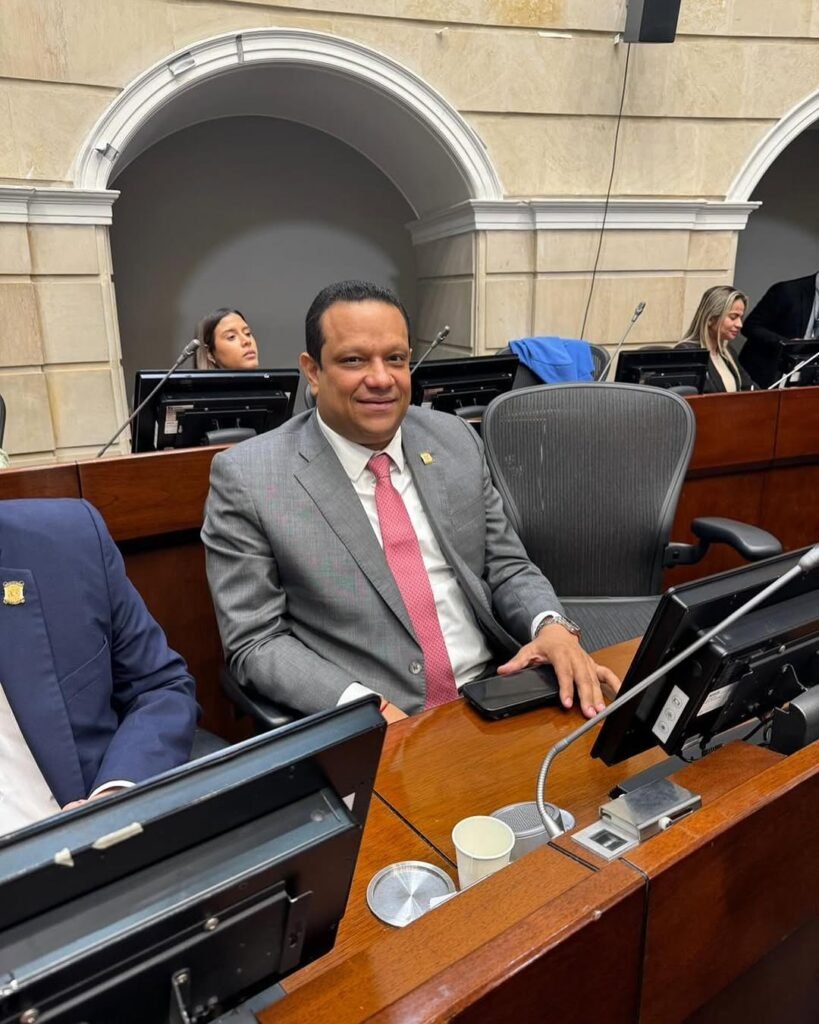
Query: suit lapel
[
  {"x": 30, "y": 682},
  {"x": 428, "y": 470},
  {"x": 324, "y": 479},
  {"x": 806, "y": 296}
]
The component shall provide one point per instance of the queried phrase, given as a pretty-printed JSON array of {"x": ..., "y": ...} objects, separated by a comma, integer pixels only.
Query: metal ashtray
[{"x": 401, "y": 893}]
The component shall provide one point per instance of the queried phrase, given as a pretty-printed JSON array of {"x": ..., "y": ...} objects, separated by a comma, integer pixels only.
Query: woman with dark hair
[
  {"x": 227, "y": 342},
  {"x": 716, "y": 323}
]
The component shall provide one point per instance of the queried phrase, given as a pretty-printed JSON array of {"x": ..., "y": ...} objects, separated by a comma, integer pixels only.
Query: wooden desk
[{"x": 718, "y": 892}]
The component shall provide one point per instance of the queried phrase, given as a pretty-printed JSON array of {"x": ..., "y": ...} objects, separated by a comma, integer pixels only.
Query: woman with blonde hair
[
  {"x": 227, "y": 342},
  {"x": 716, "y": 323}
]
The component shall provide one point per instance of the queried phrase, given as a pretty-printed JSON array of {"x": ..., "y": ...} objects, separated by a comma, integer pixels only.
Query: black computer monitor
[
  {"x": 791, "y": 354},
  {"x": 759, "y": 663},
  {"x": 666, "y": 368},
  {"x": 207, "y": 883},
  {"x": 194, "y": 403},
  {"x": 451, "y": 384}
]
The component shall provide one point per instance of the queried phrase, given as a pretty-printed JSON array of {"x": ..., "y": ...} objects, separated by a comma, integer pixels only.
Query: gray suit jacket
[{"x": 305, "y": 601}]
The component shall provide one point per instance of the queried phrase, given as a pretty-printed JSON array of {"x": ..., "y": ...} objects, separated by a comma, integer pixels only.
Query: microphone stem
[
  {"x": 635, "y": 317},
  {"x": 183, "y": 355},
  {"x": 552, "y": 827}
]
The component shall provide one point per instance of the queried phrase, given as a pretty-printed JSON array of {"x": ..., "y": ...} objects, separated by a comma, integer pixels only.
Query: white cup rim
[{"x": 484, "y": 856}]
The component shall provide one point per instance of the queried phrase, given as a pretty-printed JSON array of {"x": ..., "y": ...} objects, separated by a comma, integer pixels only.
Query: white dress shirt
[
  {"x": 467, "y": 647},
  {"x": 25, "y": 796}
]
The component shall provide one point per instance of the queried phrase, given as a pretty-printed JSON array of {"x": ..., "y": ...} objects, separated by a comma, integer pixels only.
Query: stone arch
[
  {"x": 772, "y": 144},
  {"x": 360, "y": 96}
]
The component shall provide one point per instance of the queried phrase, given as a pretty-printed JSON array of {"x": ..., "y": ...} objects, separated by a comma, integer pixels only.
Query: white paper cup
[{"x": 483, "y": 845}]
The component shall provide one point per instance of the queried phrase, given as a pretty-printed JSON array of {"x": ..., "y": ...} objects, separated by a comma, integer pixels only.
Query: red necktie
[{"x": 403, "y": 554}]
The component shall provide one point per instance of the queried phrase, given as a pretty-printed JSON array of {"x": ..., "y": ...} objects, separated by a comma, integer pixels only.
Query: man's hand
[
  {"x": 97, "y": 796},
  {"x": 392, "y": 712},
  {"x": 561, "y": 649}
]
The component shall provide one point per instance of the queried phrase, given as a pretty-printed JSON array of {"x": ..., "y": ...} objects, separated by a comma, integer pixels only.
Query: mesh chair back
[
  {"x": 599, "y": 359},
  {"x": 590, "y": 475}
]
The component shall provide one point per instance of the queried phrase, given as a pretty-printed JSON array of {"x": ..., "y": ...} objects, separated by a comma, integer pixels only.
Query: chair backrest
[
  {"x": 600, "y": 358},
  {"x": 2, "y": 420},
  {"x": 590, "y": 475}
]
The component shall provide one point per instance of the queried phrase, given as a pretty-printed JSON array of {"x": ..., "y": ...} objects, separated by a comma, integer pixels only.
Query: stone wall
[{"x": 538, "y": 80}]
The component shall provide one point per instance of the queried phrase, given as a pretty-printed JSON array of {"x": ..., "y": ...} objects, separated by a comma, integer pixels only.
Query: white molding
[
  {"x": 23, "y": 205},
  {"x": 582, "y": 215},
  {"x": 157, "y": 86},
  {"x": 775, "y": 140}
]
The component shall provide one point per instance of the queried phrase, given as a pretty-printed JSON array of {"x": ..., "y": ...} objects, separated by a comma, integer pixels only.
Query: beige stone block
[
  {"x": 82, "y": 406},
  {"x": 508, "y": 310},
  {"x": 712, "y": 250},
  {"x": 750, "y": 17},
  {"x": 103, "y": 42},
  {"x": 548, "y": 14},
  {"x": 695, "y": 285},
  {"x": 561, "y": 251},
  {"x": 28, "y": 415},
  {"x": 48, "y": 124},
  {"x": 567, "y": 156},
  {"x": 445, "y": 302},
  {"x": 548, "y": 156},
  {"x": 63, "y": 249},
  {"x": 561, "y": 300},
  {"x": 510, "y": 252},
  {"x": 14, "y": 252},
  {"x": 20, "y": 343},
  {"x": 73, "y": 321},
  {"x": 448, "y": 257},
  {"x": 718, "y": 77}
]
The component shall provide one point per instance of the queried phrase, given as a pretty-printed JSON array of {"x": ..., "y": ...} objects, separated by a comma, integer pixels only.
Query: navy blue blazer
[{"x": 96, "y": 690}]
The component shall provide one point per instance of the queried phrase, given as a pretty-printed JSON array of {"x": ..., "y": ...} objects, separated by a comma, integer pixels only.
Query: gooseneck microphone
[
  {"x": 807, "y": 563},
  {"x": 785, "y": 376},
  {"x": 635, "y": 316},
  {"x": 436, "y": 341},
  {"x": 186, "y": 353}
]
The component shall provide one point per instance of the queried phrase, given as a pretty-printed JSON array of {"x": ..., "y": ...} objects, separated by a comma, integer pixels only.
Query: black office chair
[
  {"x": 600, "y": 358},
  {"x": 2, "y": 420},
  {"x": 590, "y": 475}
]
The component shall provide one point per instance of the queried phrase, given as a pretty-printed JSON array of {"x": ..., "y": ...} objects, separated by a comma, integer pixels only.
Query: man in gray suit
[{"x": 329, "y": 581}]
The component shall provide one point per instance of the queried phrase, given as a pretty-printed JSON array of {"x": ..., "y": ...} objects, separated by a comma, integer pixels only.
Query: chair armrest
[
  {"x": 266, "y": 713},
  {"x": 750, "y": 541}
]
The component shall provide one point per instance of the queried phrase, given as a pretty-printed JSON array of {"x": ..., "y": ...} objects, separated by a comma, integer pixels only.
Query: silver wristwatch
[{"x": 555, "y": 618}]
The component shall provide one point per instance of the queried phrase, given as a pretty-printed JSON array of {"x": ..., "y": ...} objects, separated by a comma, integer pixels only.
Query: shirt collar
[{"x": 354, "y": 457}]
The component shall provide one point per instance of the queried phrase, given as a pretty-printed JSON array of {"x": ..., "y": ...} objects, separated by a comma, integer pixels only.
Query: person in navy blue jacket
[{"x": 92, "y": 699}]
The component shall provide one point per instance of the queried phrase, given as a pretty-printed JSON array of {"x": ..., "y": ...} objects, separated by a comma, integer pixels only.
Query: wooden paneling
[
  {"x": 444, "y": 962},
  {"x": 148, "y": 495},
  {"x": 730, "y": 882},
  {"x": 790, "y": 505},
  {"x": 734, "y": 430},
  {"x": 60, "y": 481},
  {"x": 798, "y": 430}
]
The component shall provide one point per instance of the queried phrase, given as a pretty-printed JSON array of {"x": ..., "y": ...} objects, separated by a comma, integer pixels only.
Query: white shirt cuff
[
  {"x": 536, "y": 621},
  {"x": 115, "y": 784},
  {"x": 353, "y": 692}
]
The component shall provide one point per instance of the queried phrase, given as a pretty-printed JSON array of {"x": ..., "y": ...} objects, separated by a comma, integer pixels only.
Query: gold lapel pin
[
  {"x": 14, "y": 592},
  {"x": 426, "y": 458}
]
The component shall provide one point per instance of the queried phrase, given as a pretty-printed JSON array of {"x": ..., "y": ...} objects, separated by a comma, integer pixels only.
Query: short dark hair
[
  {"x": 344, "y": 291},
  {"x": 206, "y": 330}
]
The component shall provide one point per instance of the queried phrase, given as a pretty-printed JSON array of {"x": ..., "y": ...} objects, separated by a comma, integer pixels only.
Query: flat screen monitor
[
  {"x": 791, "y": 354},
  {"x": 666, "y": 368},
  {"x": 192, "y": 404},
  {"x": 451, "y": 384},
  {"x": 204, "y": 885},
  {"x": 761, "y": 662}
]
